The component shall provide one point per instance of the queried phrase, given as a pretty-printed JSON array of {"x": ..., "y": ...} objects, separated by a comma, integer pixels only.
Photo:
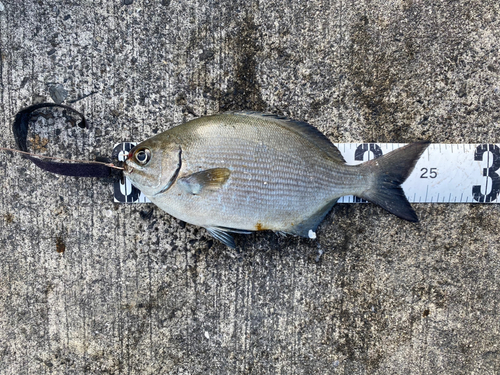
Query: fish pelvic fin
[
  {"x": 211, "y": 179},
  {"x": 389, "y": 172},
  {"x": 222, "y": 235}
]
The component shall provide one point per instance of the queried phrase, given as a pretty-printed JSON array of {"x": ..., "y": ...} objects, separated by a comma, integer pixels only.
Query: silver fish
[{"x": 240, "y": 172}]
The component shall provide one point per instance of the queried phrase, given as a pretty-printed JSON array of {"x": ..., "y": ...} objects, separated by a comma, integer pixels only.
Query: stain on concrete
[
  {"x": 244, "y": 89},
  {"x": 9, "y": 218},
  {"x": 373, "y": 75},
  {"x": 60, "y": 245}
]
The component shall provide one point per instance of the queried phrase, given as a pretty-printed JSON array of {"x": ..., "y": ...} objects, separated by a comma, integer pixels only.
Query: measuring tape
[{"x": 445, "y": 173}]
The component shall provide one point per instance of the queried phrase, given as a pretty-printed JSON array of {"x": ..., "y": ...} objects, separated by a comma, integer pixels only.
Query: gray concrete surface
[{"x": 89, "y": 286}]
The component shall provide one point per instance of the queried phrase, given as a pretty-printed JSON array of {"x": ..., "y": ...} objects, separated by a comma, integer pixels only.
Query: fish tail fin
[{"x": 389, "y": 172}]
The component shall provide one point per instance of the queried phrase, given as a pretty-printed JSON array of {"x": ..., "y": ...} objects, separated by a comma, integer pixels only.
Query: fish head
[{"x": 153, "y": 165}]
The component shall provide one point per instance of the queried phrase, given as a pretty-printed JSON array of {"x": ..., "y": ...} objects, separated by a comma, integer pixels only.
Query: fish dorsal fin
[
  {"x": 211, "y": 179},
  {"x": 304, "y": 129}
]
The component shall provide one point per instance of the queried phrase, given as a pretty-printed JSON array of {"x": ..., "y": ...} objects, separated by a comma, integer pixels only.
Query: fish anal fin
[
  {"x": 211, "y": 179},
  {"x": 307, "y": 228}
]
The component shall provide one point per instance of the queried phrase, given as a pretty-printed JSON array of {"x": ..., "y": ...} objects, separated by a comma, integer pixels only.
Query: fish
[{"x": 242, "y": 172}]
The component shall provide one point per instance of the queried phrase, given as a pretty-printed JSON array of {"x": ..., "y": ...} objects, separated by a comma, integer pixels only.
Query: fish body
[{"x": 243, "y": 172}]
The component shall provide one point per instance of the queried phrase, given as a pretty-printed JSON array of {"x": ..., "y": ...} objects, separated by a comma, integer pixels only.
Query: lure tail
[{"x": 389, "y": 172}]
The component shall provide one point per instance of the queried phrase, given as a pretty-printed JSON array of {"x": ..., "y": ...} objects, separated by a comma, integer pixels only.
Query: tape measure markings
[{"x": 445, "y": 173}]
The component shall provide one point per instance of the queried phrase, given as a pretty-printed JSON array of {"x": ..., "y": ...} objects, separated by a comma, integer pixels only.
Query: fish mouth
[{"x": 127, "y": 169}]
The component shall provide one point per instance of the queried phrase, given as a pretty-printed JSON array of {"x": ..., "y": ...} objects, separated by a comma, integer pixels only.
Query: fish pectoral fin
[
  {"x": 211, "y": 179},
  {"x": 222, "y": 235}
]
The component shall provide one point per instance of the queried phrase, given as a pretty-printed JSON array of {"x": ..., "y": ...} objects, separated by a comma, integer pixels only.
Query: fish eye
[{"x": 142, "y": 156}]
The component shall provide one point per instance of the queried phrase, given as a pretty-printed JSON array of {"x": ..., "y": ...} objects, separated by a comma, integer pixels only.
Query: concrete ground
[{"x": 89, "y": 286}]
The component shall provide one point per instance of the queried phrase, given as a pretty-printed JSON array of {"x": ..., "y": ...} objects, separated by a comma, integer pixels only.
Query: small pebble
[
  {"x": 58, "y": 93},
  {"x": 320, "y": 253}
]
